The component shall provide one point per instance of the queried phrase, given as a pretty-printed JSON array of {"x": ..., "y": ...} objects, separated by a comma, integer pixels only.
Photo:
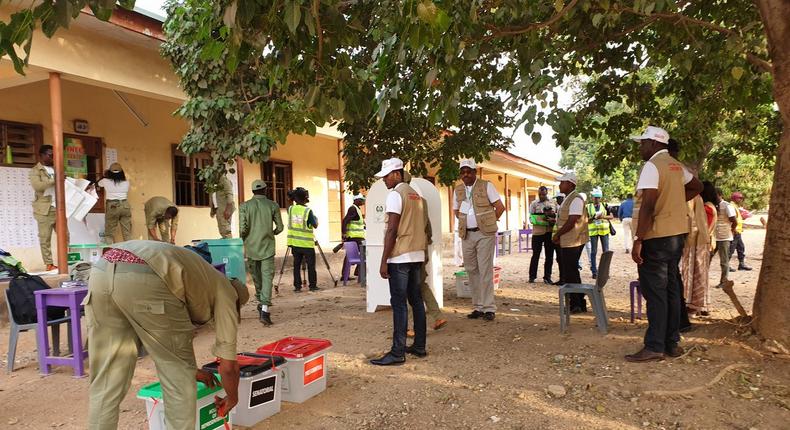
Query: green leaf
[
  {"x": 293, "y": 15},
  {"x": 737, "y": 72},
  {"x": 536, "y": 137},
  {"x": 558, "y": 5},
  {"x": 442, "y": 22},
  {"x": 596, "y": 20}
]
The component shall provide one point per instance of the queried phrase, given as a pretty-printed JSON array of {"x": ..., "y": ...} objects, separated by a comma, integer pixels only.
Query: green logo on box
[
  {"x": 209, "y": 418},
  {"x": 74, "y": 257}
]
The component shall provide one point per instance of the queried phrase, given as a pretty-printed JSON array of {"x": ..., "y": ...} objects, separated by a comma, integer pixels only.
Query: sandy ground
[{"x": 478, "y": 374}]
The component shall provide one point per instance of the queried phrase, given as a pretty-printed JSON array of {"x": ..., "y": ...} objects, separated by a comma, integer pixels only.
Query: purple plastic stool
[
  {"x": 634, "y": 288},
  {"x": 352, "y": 257},
  {"x": 66, "y": 297},
  {"x": 524, "y": 233}
]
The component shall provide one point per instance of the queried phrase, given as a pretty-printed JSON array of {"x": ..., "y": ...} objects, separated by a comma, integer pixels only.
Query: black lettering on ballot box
[{"x": 259, "y": 383}]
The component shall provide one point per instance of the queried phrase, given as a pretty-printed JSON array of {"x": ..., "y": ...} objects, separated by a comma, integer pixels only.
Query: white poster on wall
[{"x": 18, "y": 229}]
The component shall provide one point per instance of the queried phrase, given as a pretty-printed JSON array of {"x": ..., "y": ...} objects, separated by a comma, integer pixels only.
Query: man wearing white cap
[
  {"x": 571, "y": 236},
  {"x": 405, "y": 242},
  {"x": 660, "y": 227},
  {"x": 477, "y": 206},
  {"x": 598, "y": 227}
]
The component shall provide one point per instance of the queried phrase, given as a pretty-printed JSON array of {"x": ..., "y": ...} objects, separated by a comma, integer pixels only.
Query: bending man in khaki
[
  {"x": 161, "y": 213},
  {"x": 477, "y": 206},
  {"x": 155, "y": 293}
]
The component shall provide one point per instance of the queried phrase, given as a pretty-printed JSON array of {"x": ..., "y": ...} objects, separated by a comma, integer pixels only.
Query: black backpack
[{"x": 23, "y": 300}]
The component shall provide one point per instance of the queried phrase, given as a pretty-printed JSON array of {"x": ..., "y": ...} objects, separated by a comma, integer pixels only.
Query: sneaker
[
  {"x": 475, "y": 315},
  {"x": 489, "y": 316}
]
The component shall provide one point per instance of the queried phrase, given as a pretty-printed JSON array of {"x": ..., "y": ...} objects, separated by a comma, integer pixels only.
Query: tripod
[{"x": 285, "y": 259}]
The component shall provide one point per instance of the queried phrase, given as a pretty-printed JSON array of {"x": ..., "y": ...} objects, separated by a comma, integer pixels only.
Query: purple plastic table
[{"x": 72, "y": 299}]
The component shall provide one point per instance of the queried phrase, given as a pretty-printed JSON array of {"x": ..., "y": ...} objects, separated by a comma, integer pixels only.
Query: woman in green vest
[
  {"x": 301, "y": 222},
  {"x": 598, "y": 227}
]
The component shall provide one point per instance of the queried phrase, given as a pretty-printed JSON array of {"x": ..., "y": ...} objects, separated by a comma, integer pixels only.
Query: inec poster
[{"x": 75, "y": 160}]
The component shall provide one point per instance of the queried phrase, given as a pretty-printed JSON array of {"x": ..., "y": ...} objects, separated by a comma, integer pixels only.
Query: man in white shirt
[
  {"x": 571, "y": 237},
  {"x": 725, "y": 230},
  {"x": 661, "y": 225},
  {"x": 405, "y": 245},
  {"x": 477, "y": 206}
]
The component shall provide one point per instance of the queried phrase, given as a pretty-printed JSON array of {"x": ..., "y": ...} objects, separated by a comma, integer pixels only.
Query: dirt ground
[{"x": 478, "y": 374}]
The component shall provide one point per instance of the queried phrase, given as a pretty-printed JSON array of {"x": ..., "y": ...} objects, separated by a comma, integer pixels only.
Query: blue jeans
[
  {"x": 405, "y": 283},
  {"x": 594, "y": 250}
]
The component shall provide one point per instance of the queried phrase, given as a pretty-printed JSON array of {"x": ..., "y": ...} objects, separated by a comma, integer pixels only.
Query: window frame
[
  {"x": 193, "y": 181},
  {"x": 271, "y": 183},
  {"x": 38, "y": 140}
]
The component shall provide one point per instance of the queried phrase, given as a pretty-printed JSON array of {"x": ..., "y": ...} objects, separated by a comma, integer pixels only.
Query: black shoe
[
  {"x": 489, "y": 316},
  {"x": 548, "y": 281},
  {"x": 531, "y": 280},
  {"x": 686, "y": 328},
  {"x": 416, "y": 352},
  {"x": 559, "y": 282},
  {"x": 265, "y": 318},
  {"x": 731, "y": 269},
  {"x": 388, "y": 360},
  {"x": 475, "y": 315},
  {"x": 314, "y": 289},
  {"x": 595, "y": 275},
  {"x": 743, "y": 267},
  {"x": 297, "y": 290},
  {"x": 674, "y": 351}
]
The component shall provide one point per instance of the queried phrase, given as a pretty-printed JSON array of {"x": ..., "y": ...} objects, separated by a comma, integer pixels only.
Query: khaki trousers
[
  {"x": 262, "y": 272},
  {"x": 46, "y": 224},
  {"x": 118, "y": 213},
  {"x": 479, "y": 266},
  {"x": 127, "y": 303},
  {"x": 164, "y": 231},
  {"x": 223, "y": 225}
]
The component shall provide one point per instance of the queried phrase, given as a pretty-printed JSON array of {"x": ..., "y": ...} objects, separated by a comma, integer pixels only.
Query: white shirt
[
  {"x": 113, "y": 191},
  {"x": 648, "y": 179},
  {"x": 468, "y": 208},
  {"x": 394, "y": 205},
  {"x": 51, "y": 190},
  {"x": 577, "y": 206},
  {"x": 723, "y": 205}
]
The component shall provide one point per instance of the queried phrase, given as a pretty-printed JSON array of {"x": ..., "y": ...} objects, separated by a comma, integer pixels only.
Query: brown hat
[
  {"x": 241, "y": 291},
  {"x": 116, "y": 168}
]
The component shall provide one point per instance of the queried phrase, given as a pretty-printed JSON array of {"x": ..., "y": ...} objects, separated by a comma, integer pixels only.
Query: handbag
[{"x": 612, "y": 231}]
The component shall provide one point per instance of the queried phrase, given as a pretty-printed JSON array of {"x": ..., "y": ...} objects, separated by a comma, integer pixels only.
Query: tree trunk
[{"x": 772, "y": 300}]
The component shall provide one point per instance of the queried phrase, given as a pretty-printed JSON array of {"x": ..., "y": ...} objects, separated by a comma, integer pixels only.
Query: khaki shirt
[
  {"x": 41, "y": 181},
  {"x": 255, "y": 227},
  {"x": 207, "y": 294},
  {"x": 223, "y": 195},
  {"x": 155, "y": 209}
]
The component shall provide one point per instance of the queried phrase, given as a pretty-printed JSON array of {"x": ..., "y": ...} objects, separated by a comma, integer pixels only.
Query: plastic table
[{"x": 72, "y": 299}]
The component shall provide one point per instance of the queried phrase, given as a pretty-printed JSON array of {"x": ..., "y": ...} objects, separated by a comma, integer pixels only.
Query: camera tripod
[{"x": 304, "y": 277}]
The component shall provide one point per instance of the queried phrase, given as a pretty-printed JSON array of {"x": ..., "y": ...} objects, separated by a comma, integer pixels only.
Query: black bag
[
  {"x": 201, "y": 249},
  {"x": 23, "y": 300},
  {"x": 612, "y": 231}
]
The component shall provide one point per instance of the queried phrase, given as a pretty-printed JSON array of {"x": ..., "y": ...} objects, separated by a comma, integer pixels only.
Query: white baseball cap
[
  {"x": 468, "y": 162},
  {"x": 359, "y": 197},
  {"x": 597, "y": 192},
  {"x": 653, "y": 133},
  {"x": 568, "y": 176},
  {"x": 388, "y": 166}
]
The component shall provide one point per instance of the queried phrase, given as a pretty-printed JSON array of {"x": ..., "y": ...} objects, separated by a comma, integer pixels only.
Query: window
[
  {"x": 19, "y": 144},
  {"x": 188, "y": 188},
  {"x": 278, "y": 176}
]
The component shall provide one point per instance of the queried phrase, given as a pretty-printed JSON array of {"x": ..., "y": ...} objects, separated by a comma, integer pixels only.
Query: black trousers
[
  {"x": 569, "y": 273},
  {"x": 737, "y": 245},
  {"x": 661, "y": 285},
  {"x": 308, "y": 256},
  {"x": 541, "y": 241}
]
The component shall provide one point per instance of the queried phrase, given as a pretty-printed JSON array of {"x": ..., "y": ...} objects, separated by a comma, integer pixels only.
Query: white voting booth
[{"x": 378, "y": 292}]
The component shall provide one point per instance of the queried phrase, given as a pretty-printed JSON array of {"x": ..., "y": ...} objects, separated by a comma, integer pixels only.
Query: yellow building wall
[{"x": 146, "y": 154}]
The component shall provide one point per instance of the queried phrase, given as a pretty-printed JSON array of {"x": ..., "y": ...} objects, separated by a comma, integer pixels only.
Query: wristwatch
[{"x": 637, "y": 239}]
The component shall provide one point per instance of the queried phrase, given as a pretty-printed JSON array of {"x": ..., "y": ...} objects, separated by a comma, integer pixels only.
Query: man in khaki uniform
[
  {"x": 222, "y": 206},
  {"x": 163, "y": 214},
  {"x": 477, "y": 206},
  {"x": 255, "y": 227},
  {"x": 42, "y": 178},
  {"x": 154, "y": 293},
  {"x": 661, "y": 225}
]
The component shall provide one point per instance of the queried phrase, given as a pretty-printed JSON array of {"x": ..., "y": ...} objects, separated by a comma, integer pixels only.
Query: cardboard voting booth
[{"x": 378, "y": 293}]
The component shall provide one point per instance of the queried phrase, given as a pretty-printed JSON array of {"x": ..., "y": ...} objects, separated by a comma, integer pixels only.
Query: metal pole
[{"x": 61, "y": 226}]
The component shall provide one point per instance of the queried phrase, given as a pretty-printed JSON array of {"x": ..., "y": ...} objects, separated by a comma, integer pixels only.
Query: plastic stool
[
  {"x": 634, "y": 288},
  {"x": 524, "y": 233}
]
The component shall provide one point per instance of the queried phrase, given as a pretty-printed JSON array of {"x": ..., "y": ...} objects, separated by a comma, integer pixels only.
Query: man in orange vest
[{"x": 661, "y": 226}]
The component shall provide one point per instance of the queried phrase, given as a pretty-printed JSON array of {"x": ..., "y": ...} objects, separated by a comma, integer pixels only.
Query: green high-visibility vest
[
  {"x": 300, "y": 234},
  {"x": 538, "y": 219},
  {"x": 356, "y": 228},
  {"x": 596, "y": 227}
]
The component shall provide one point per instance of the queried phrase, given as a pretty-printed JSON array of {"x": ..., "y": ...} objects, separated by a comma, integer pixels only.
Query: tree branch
[
  {"x": 532, "y": 27},
  {"x": 319, "y": 31}
]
